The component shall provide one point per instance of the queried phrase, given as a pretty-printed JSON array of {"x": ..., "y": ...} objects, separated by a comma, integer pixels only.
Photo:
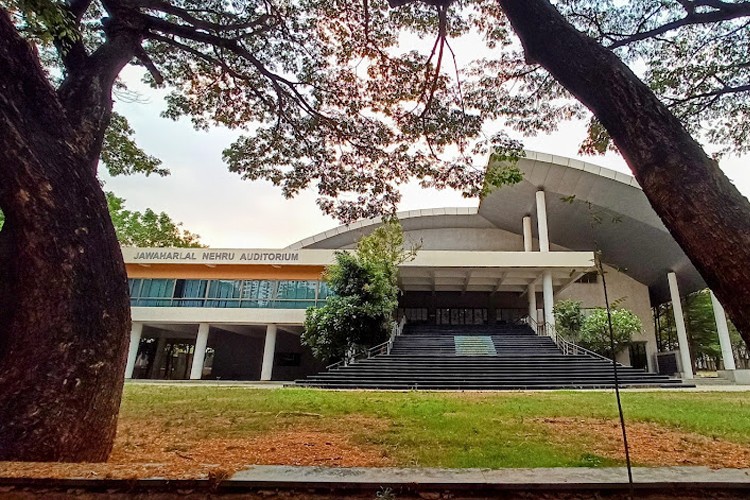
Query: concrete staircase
[{"x": 480, "y": 357}]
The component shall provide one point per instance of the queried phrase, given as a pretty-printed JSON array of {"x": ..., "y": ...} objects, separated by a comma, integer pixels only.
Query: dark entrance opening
[{"x": 457, "y": 308}]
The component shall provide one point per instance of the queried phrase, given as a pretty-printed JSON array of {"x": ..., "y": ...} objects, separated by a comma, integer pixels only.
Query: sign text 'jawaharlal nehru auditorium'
[{"x": 218, "y": 256}]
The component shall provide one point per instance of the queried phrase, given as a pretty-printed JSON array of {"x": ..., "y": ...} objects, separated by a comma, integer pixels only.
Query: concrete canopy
[{"x": 588, "y": 208}]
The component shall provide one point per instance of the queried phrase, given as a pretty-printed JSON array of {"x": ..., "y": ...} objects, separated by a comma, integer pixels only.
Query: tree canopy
[{"x": 148, "y": 229}]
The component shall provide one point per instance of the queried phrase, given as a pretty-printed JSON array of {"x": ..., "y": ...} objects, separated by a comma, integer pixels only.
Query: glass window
[
  {"x": 190, "y": 289},
  {"x": 279, "y": 294},
  {"x": 228, "y": 290},
  {"x": 156, "y": 292},
  {"x": 257, "y": 293},
  {"x": 134, "y": 286},
  {"x": 323, "y": 291}
]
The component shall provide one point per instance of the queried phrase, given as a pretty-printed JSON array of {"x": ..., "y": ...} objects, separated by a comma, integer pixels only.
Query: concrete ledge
[
  {"x": 659, "y": 482},
  {"x": 556, "y": 478}
]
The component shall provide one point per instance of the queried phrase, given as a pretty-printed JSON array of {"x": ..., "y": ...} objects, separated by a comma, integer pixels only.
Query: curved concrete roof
[{"x": 608, "y": 212}]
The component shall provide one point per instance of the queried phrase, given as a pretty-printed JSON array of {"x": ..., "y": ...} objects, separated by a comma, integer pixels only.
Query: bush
[
  {"x": 360, "y": 313},
  {"x": 568, "y": 318},
  {"x": 595, "y": 330}
]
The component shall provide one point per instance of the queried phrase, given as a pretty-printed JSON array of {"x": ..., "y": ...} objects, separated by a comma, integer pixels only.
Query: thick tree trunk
[
  {"x": 64, "y": 311},
  {"x": 702, "y": 209}
]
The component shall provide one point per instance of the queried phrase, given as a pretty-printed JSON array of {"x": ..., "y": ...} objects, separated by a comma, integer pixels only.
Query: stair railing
[
  {"x": 567, "y": 347},
  {"x": 538, "y": 329},
  {"x": 383, "y": 348}
]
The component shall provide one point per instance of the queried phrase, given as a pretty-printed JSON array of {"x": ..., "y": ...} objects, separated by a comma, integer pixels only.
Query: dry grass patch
[{"x": 650, "y": 444}]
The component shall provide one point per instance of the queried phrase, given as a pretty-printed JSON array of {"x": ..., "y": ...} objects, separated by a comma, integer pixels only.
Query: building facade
[{"x": 237, "y": 314}]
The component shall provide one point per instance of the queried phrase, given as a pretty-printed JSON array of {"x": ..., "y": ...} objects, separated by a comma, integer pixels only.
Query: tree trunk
[
  {"x": 64, "y": 309},
  {"x": 705, "y": 213}
]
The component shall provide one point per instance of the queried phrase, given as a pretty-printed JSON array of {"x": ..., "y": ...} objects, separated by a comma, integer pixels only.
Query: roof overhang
[{"x": 594, "y": 208}]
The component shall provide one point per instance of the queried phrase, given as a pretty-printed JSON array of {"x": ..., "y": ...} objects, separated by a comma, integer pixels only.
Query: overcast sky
[{"x": 229, "y": 212}]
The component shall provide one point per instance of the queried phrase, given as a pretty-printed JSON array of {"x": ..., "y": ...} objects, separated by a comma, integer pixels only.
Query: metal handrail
[
  {"x": 382, "y": 348},
  {"x": 567, "y": 347}
]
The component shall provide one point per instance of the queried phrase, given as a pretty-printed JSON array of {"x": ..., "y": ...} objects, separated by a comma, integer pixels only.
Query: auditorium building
[{"x": 237, "y": 314}]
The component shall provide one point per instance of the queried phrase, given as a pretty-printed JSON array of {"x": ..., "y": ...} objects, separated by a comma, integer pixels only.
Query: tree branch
[
  {"x": 725, "y": 14},
  {"x": 232, "y": 45},
  {"x": 718, "y": 92},
  {"x": 201, "y": 23}
]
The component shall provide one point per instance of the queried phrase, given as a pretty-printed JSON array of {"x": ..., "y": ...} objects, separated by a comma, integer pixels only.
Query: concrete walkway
[
  {"x": 562, "y": 478},
  {"x": 254, "y": 384},
  {"x": 261, "y": 481}
]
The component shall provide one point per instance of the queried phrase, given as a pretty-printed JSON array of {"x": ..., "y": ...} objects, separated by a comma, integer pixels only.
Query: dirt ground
[
  {"x": 146, "y": 449},
  {"x": 650, "y": 444}
]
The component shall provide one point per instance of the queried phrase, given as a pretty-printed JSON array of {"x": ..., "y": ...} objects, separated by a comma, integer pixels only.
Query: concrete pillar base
[{"x": 739, "y": 377}]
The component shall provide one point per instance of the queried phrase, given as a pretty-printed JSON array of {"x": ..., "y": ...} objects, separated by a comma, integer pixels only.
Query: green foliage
[
  {"x": 503, "y": 169},
  {"x": 2, "y": 219},
  {"x": 334, "y": 101},
  {"x": 595, "y": 330},
  {"x": 700, "y": 324},
  {"x": 148, "y": 229},
  {"x": 568, "y": 318},
  {"x": 359, "y": 314},
  {"x": 692, "y": 54},
  {"x": 122, "y": 156},
  {"x": 46, "y": 21}
]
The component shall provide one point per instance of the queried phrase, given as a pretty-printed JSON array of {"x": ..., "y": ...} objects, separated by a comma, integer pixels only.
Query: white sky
[{"x": 229, "y": 212}]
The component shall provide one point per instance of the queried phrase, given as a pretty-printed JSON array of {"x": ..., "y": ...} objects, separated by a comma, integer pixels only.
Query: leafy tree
[
  {"x": 700, "y": 324},
  {"x": 147, "y": 229},
  {"x": 594, "y": 332},
  {"x": 360, "y": 312},
  {"x": 568, "y": 318},
  {"x": 334, "y": 103}
]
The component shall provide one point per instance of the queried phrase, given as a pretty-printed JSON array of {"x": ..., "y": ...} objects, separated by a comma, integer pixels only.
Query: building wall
[
  {"x": 468, "y": 239},
  {"x": 630, "y": 294},
  {"x": 224, "y": 271}
]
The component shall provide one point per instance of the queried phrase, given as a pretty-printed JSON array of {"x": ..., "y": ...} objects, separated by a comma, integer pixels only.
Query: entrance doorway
[{"x": 461, "y": 316}]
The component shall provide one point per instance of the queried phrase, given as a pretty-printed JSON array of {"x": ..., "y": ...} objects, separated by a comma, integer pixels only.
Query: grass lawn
[{"x": 184, "y": 428}]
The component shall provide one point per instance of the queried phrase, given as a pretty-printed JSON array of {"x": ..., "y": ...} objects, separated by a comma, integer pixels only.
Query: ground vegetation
[{"x": 177, "y": 431}]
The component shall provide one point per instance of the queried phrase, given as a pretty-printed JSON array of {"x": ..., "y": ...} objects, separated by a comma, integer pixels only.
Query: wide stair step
[{"x": 480, "y": 357}]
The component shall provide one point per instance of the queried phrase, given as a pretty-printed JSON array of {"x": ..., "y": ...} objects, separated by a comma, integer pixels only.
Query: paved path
[
  {"x": 279, "y": 384},
  {"x": 559, "y": 476},
  {"x": 288, "y": 482}
]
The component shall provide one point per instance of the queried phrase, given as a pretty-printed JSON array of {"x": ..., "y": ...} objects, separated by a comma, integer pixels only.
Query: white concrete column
[
  {"x": 135, "y": 341},
  {"x": 679, "y": 321},
  {"x": 549, "y": 302},
  {"x": 269, "y": 349},
  {"x": 541, "y": 221},
  {"x": 528, "y": 238},
  {"x": 161, "y": 343},
  {"x": 721, "y": 326},
  {"x": 531, "y": 292},
  {"x": 528, "y": 241},
  {"x": 199, "y": 353}
]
